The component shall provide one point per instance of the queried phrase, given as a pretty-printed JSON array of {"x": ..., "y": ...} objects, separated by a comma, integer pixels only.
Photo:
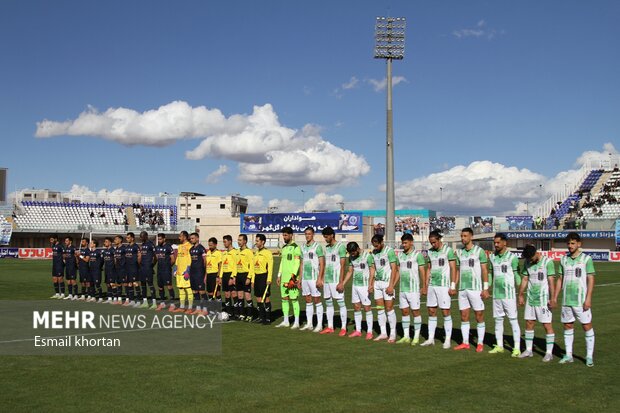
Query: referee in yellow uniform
[
  {"x": 261, "y": 279},
  {"x": 228, "y": 273},
  {"x": 245, "y": 258},
  {"x": 214, "y": 265}
]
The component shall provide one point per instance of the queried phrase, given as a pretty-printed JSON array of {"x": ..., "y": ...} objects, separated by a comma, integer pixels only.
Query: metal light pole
[
  {"x": 389, "y": 44},
  {"x": 303, "y": 200}
]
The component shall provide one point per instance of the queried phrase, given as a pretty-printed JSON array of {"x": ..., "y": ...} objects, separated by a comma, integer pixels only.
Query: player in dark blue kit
[
  {"x": 58, "y": 268},
  {"x": 83, "y": 267},
  {"x": 165, "y": 260},
  {"x": 147, "y": 261},
  {"x": 197, "y": 274},
  {"x": 119, "y": 270},
  {"x": 108, "y": 268},
  {"x": 69, "y": 257},
  {"x": 95, "y": 266},
  {"x": 132, "y": 257}
]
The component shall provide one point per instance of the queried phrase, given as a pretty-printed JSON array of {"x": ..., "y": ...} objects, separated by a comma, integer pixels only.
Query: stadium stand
[{"x": 606, "y": 203}]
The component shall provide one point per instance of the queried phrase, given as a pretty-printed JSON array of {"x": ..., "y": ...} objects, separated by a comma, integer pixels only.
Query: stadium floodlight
[{"x": 390, "y": 44}]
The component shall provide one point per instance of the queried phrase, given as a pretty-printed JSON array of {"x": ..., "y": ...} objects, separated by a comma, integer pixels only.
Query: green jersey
[
  {"x": 311, "y": 254},
  {"x": 470, "y": 264},
  {"x": 383, "y": 260},
  {"x": 537, "y": 282},
  {"x": 575, "y": 272},
  {"x": 505, "y": 270},
  {"x": 410, "y": 271},
  {"x": 440, "y": 265},
  {"x": 290, "y": 261},
  {"x": 361, "y": 269},
  {"x": 333, "y": 254}
]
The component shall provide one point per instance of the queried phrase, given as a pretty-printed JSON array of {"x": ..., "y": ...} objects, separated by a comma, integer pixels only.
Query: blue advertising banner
[
  {"x": 558, "y": 234},
  {"x": 618, "y": 232},
  {"x": 340, "y": 222},
  {"x": 598, "y": 255},
  {"x": 9, "y": 252},
  {"x": 6, "y": 229},
  {"x": 521, "y": 222}
]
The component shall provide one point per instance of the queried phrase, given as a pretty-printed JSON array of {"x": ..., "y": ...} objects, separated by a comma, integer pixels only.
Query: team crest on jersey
[
  {"x": 541, "y": 275},
  {"x": 311, "y": 255},
  {"x": 504, "y": 268},
  {"x": 382, "y": 262},
  {"x": 442, "y": 262},
  {"x": 471, "y": 262},
  {"x": 409, "y": 265},
  {"x": 578, "y": 272}
]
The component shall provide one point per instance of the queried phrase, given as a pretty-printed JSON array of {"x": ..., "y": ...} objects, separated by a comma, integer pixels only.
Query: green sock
[
  {"x": 285, "y": 308},
  {"x": 296, "y": 309}
]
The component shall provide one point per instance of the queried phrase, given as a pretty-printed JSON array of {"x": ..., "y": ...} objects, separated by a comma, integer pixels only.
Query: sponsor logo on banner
[
  {"x": 36, "y": 253},
  {"x": 598, "y": 255},
  {"x": 554, "y": 255},
  {"x": 9, "y": 252},
  {"x": 614, "y": 256}
]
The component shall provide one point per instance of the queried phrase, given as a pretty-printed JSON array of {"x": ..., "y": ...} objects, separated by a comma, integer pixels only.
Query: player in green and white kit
[
  {"x": 576, "y": 281},
  {"x": 473, "y": 287},
  {"x": 538, "y": 274},
  {"x": 412, "y": 283},
  {"x": 288, "y": 277},
  {"x": 332, "y": 282},
  {"x": 504, "y": 266},
  {"x": 362, "y": 269},
  {"x": 312, "y": 270},
  {"x": 386, "y": 277},
  {"x": 441, "y": 286}
]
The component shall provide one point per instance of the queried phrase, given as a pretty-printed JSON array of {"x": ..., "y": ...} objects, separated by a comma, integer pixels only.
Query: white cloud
[
  {"x": 352, "y": 83},
  {"x": 255, "y": 203},
  {"x": 595, "y": 158},
  {"x": 323, "y": 201},
  {"x": 267, "y": 151},
  {"x": 214, "y": 177},
  {"x": 380, "y": 85},
  {"x": 480, "y": 30},
  {"x": 283, "y": 205}
]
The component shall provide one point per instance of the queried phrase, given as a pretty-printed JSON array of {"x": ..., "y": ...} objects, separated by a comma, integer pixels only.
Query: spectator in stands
[{"x": 556, "y": 223}]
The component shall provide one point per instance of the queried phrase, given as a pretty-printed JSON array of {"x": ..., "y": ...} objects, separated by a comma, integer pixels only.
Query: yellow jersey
[
  {"x": 245, "y": 261},
  {"x": 263, "y": 263},
  {"x": 229, "y": 262},
  {"x": 183, "y": 261},
  {"x": 213, "y": 261}
]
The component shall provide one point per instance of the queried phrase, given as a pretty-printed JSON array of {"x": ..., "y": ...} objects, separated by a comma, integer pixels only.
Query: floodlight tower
[{"x": 389, "y": 45}]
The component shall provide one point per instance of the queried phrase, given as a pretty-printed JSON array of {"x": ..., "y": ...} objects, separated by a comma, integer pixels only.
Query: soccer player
[
  {"x": 69, "y": 256},
  {"x": 312, "y": 270},
  {"x": 214, "y": 267},
  {"x": 261, "y": 279},
  {"x": 197, "y": 273},
  {"x": 576, "y": 280},
  {"x": 441, "y": 286},
  {"x": 412, "y": 284},
  {"x": 504, "y": 266},
  {"x": 95, "y": 266},
  {"x": 538, "y": 278},
  {"x": 245, "y": 256},
  {"x": 288, "y": 277},
  {"x": 228, "y": 274},
  {"x": 147, "y": 262},
  {"x": 386, "y": 277},
  {"x": 119, "y": 270},
  {"x": 132, "y": 257},
  {"x": 183, "y": 261},
  {"x": 333, "y": 289},
  {"x": 473, "y": 287},
  {"x": 58, "y": 268},
  {"x": 362, "y": 269},
  {"x": 108, "y": 268},
  {"x": 83, "y": 267},
  {"x": 165, "y": 260}
]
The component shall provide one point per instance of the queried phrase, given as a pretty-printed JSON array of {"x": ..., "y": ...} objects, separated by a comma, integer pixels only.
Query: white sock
[
  {"x": 516, "y": 333},
  {"x": 392, "y": 320},
  {"x": 417, "y": 326},
  {"x": 309, "y": 313},
  {"x": 319, "y": 314},
  {"x": 447, "y": 326},
  {"x": 465, "y": 331},
  {"x": 369, "y": 321},
  {"x": 481, "y": 327},
  {"x": 550, "y": 338},
  {"x": 590, "y": 343},
  {"x": 382, "y": 320},
  {"x": 499, "y": 331},
  {"x": 569, "y": 336},
  {"x": 343, "y": 313},
  {"x": 529, "y": 340},
  {"x": 330, "y": 313},
  {"x": 358, "y": 320},
  {"x": 432, "y": 325},
  {"x": 406, "y": 324}
]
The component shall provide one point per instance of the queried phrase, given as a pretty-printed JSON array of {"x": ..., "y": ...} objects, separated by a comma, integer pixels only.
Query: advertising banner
[
  {"x": 35, "y": 253},
  {"x": 269, "y": 223},
  {"x": 9, "y": 252}
]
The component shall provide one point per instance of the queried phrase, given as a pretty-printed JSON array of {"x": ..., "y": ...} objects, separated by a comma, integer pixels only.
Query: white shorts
[
  {"x": 380, "y": 293},
  {"x": 308, "y": 287},
  {"x": 541, "y": 314},
  {"x": 570, "y": 313},
  {"x": 360, "y": 295},
  {"x": 470, "y": 299},
  {"x": 438, "y": 297},
  {"x": 329, "y": 291},
  {"x": 506, "y": 307},
  {"x": 409, "y": 300}
]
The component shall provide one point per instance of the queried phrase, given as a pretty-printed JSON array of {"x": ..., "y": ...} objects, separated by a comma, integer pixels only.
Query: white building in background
[
  {"x": 215, "y": 216},
  {"x": 39, "y": 195}
]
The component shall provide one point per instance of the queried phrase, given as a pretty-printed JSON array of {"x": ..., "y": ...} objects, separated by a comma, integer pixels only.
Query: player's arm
[
  {"x": 423, "y": 274},
  {"x": 453, "y": 273},
  {"x": 348, "y": 275},
  {"x": 372, "y": 270},
  {"x": 269, "y": 267},
  {"x": 587, "y": 304},
  {"x": 558, "y": 283},
  {"x": 297, "y": 262},
  {"x": 515, "y": 269},
  {"x": 524, "y": 279},
  {"x": 393, "y": 259},
  {"x": 250, "y": 256},
  {"x": 173, "y": 256},
  {"x": 551, "y": 281},
  {"x": 140, "y": 256},
  {"x": 485, "y": 274},
  {"x": 233, "y": 272},
  {"x": 320, "y": 279},
  {"x": 342, "y": 253}
]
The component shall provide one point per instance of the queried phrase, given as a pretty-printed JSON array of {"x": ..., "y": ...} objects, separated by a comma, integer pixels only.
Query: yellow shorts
[{"x": 182, "y": 282}]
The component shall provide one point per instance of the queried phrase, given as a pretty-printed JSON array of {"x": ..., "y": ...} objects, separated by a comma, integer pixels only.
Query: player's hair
[
  {"x": 528, "y": 252},
  {"x": 195, "y": 234},
  {"x": 352, "y": 246},
  {"x": 261, "y": 237},
  {"x": 245, "y": 237},
  {"x": 227, "y": 238},
  {"x": 184, "y": 233},
  {"x": 573, "y": 236},
  {"x": 287, "y": 230},
  {"x": 85, "y": 238},
  {"x": 328, "y": 231},
  {"x": 95, "y": 242},
  {"x": 70, "y": 238},
  {"x": 471, "y": 231},
  {"x": 308, "y": 228},
  {"x": 501, "y": 236},
  {"x": 131, "y": 234},
  {"x": 377, "y": 238},
  {"x": 161, "y": 235},
  {"x": 108, "y": 239},
  {"x": 407, "y": 237},
  {"x": 119, "y": 237},
  {"x": 55, "y": 236},
  {"x": 144, "y": 233},
  {"x": 213, "y": 240},
  {"x": 435, "y": 234}
]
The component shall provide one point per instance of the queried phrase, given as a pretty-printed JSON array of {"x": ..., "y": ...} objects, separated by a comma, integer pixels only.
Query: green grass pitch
[{"x": 266, "y": 369}]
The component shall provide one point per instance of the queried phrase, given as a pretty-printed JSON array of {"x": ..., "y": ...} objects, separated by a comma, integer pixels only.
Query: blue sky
[{"x": 526, "y": 85}]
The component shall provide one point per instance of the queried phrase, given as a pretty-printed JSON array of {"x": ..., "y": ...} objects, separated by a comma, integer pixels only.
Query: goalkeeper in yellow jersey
[
  {"x": 182, "y": 264},
  {"x": 289, "y": 280}
]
